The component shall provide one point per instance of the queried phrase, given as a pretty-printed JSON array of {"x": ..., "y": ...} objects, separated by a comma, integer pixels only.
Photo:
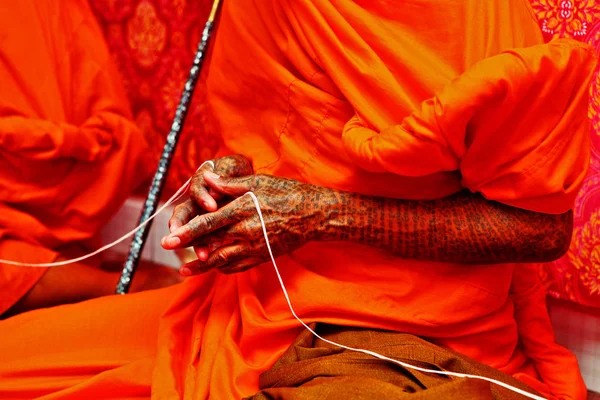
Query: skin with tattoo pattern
[{"x": 462, "y": 228}]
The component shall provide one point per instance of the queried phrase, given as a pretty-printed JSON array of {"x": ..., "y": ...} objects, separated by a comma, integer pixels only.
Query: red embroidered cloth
[
  {"x": 576, "y": 276},
  {"x": 153, "y": 43}
]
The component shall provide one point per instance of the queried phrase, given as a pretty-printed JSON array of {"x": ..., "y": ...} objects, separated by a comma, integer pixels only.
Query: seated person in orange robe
[
  {"x": 69, "y": 152},
  {"x": 410, "y": 159},
  {"x": 382, "y": 151}
]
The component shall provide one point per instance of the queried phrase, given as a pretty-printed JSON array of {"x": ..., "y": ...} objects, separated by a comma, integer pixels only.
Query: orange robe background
[
  {"x": 360, "y": 96},
  {"x": 69, "y": 153}
]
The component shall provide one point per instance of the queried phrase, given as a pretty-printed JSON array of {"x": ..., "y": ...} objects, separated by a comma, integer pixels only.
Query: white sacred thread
[
  {"x": 180, "y": 193},
  {"x": 129, "y": 234}
]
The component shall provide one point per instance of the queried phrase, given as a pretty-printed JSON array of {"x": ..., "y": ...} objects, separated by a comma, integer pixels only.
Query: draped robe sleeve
[{"x": 69, "y": 151}]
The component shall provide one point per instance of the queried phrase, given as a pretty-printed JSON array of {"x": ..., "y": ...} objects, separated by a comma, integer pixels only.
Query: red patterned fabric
[
  {"x": 576, "y": 276},
  {"x": 153, "y": 43}
]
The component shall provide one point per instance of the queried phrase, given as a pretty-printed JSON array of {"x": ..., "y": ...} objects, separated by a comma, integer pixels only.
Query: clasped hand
[{"x": 222, "y": 224}]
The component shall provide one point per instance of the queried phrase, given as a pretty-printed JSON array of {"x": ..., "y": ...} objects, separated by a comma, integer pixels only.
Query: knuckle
[
  {"x": 248, "y": 210},
  {"x": 220, "y": 165},
  {"x": 208, "y": 165},
  {"x": 197, "y": 177},
  {"x": 174, "y": 217},
  {"x": 209, "y": 221},
  {"x": 222, "y": 257},
  {"x": 245, "y": 227},
  {"x": 179, "y": 210},
  {"x": 255, "y": 181},
  {"x": 189, "y": 205},
  {"x": 243, "y": 162},
  {"x": 192, "y": 226}
]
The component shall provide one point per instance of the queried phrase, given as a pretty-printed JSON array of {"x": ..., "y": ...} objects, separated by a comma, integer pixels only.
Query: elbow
[
  {"x": 556, "y": 240},
  {"x": 565, "y": 235}
]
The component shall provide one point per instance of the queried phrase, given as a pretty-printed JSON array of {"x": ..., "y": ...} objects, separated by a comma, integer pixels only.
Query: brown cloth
[{"x": 314, "y": 369}]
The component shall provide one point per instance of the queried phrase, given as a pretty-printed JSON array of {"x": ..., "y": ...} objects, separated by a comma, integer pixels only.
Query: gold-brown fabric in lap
[{"x": 314, "y": 369}]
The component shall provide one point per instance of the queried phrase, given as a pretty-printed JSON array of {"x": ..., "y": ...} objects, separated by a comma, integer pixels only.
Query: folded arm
[{"x": 463, "y": 228}]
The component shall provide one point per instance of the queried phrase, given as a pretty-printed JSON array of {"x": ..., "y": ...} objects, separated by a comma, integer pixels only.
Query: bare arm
[{"x": 463, "y": 228}]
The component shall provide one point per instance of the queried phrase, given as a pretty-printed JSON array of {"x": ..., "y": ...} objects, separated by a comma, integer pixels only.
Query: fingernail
[
  {"x": 174, "y": 241},
  {"x": 201, "y": 254},
  {"x": 208, "y": 204},
  {"x": 212, "y": 175},
  {"x": 185, "y": 271}
]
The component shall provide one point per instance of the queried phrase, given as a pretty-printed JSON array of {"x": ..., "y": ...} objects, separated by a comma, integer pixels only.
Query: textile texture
[
  {"x": 314, "y": 369},
  {"x": 576, "y": 276}
]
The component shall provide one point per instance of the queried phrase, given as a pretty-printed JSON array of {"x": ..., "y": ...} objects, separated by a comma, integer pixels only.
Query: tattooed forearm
[{"x": 464, "y": 228}]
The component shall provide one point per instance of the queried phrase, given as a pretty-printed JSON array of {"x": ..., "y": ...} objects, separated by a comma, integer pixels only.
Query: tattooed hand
[
  {"x": 293, "y": 212},
  {"x": 202, "y": 198}
]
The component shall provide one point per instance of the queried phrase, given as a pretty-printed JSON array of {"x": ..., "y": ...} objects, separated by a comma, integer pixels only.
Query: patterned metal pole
[{"x": 158, "y": 182}]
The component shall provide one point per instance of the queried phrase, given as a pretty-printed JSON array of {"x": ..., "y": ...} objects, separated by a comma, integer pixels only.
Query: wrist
[{"x": 334, "y": 218}]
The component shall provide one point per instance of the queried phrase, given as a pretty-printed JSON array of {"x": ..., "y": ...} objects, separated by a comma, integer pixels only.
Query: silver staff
[{"x": 158, "y": 182}]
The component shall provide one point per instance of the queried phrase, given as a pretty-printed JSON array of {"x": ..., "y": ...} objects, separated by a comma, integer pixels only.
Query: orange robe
[
  {"x": 362, "y": 96},
  {"x": 69, "y": 151}
]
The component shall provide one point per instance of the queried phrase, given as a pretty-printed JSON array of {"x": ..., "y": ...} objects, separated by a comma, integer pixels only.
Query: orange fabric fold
[
  {"x": 69, "y": 152},
  {"x": 537, "y": 336},
  {"x": 505, "y": 124}
]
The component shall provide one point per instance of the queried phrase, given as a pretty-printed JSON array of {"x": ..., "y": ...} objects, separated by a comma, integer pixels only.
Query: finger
[
  {"x": 206, "y": 244},
  {"x": 214, "y": 246},
  {"x": 214, "y": 194},
  {"x": 231, "y": 186},
  {"x": 206, "y": 223},
  {"x": 199, "y": 192},
  {"x": 218, "y": 258},
  {"x": 226, "y": 234},
  {"x": 202, "y": 252},
  {"x": 242, "y": 265},
  {"x": 182, "y": 214}
]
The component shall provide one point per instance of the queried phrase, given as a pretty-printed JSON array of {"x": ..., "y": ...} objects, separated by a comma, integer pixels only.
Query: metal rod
[{"x": 158, "y": 182}]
